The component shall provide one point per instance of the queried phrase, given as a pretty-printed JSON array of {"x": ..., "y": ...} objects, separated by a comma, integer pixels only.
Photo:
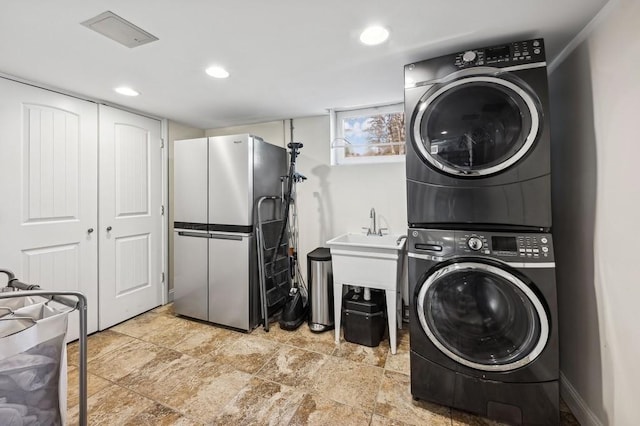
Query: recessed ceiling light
[
  {"x": 127, "y": 91},
  {"x": 374, "y": 35},
  {"x": 217, "y": 72}
]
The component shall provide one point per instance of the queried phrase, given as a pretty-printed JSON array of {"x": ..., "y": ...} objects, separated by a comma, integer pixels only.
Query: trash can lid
[{"x": 321, "y": 253}]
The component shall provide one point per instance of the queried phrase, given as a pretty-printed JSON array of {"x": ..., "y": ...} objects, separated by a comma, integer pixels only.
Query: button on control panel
[
  {"x": 472, "y": 242},
  {"x": 469, "y": 56}
]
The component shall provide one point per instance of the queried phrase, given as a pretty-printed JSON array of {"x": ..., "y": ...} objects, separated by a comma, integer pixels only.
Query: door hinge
[
  {"x": 162, "y": 277},
  {"x": 161, "y": 142},
  {"x": 162, "y": 210}
]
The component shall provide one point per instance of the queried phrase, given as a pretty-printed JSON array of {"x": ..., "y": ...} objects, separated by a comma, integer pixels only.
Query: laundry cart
[
  {"x": 33, "y": 364},
  {"x": 273, "y": 260}
]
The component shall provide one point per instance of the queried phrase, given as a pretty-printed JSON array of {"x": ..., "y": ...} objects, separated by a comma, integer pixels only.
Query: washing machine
[
  {"x": 484, "y": 323},
  {"x": 478, "y": 149}
]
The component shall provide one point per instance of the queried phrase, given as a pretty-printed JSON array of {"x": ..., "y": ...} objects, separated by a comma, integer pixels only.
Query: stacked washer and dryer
[{"x": 484, "y": 322}]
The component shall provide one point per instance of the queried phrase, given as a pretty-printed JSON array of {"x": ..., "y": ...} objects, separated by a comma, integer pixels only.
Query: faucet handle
[
  {"x": 364, "y": 228},
  {"x": 382, "y": 229}
]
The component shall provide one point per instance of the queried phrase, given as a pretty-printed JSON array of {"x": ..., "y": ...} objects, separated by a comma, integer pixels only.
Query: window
[{"x": 368, "y": 135}]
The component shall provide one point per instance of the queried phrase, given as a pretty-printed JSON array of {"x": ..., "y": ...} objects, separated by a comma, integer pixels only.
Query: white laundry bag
[
  {"x": 7, "y": 311},
  {"x": 13, "y": 303},
  {"x": 33, "y": 366}
]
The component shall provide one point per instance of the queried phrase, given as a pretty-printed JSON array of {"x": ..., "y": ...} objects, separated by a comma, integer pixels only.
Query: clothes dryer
[
  {"x": 478, "y": 133},
  {"x": 484, "y": 323}
]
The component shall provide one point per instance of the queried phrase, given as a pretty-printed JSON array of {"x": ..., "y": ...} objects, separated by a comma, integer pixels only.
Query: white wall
[
  {"x": 272, "y": 132},
  {"x": 595, "y": 96},
  {"x": 335, "y": 199}
]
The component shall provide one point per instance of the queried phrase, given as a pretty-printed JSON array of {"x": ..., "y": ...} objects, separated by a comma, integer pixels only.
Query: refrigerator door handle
[
  {"x": 225, "y": 237},
  {"x": 193, "y": 234}
]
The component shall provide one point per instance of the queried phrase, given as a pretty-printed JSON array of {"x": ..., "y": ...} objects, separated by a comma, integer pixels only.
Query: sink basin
[
  {"x": 372, "y": 261},
  {"x": 351, "y": 241},
  {"x": 367, "y": 260}
]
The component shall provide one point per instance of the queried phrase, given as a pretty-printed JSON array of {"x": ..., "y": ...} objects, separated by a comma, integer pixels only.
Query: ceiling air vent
[{"x": 118, "y": 29}]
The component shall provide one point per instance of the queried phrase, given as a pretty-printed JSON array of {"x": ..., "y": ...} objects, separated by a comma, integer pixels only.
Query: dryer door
[
  {"x": 475, "y": 126},
  {"x": 482, "y": 316}
]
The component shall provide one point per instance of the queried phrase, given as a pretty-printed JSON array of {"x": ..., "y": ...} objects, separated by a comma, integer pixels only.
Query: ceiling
[{"x": 287, "y": 58}]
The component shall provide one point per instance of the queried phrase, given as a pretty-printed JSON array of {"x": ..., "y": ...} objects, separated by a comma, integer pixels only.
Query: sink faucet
[
  {"x": 373, "y": 229},
  {"x": 372, "y": 216}
]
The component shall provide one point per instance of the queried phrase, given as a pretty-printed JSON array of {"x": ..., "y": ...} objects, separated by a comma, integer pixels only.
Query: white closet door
[
  {"x": 48, "y": 201},
  {"x": 130, "y": 231}
]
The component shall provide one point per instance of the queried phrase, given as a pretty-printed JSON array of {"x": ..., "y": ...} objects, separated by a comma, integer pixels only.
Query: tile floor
[{"x": 161, "y": 369}]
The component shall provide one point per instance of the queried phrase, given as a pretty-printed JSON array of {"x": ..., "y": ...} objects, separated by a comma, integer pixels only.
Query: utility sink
[
  {"x": 373, "y": 261},
  {"x": 352, "y": 241}
]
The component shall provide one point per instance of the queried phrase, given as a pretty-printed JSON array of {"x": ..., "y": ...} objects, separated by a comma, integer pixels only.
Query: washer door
[
  {"x": 475, "y": 126},
  {"x": 482, "y": 316}
]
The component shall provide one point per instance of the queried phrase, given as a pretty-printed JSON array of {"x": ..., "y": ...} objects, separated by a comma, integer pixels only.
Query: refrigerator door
[
  {"x": 230, "y": 182},
  {"x": 190, "y": 181},
  {"x": 230, "y": 279},
  {"x": 269, "y": 164},
  {"x": 190, "y": 297}
]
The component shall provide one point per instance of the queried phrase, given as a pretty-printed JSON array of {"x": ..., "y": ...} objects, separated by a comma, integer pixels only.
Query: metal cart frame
[
  {"x": 65, "y": 298},
  {"x": 263, "y": 263}
]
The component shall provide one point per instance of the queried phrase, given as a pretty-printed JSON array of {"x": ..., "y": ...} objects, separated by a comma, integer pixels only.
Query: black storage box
[{"x": 364, "y": 320}]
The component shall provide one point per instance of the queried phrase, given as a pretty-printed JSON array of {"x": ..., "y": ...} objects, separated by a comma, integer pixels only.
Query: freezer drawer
[
  {"x": 232, "y": 267},
  {"x": 190, "y": 274}
]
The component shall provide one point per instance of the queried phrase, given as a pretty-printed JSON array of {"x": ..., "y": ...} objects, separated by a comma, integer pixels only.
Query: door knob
[
  {"x": 90, "y": 230},
  {"x": 109, "y": 228}
]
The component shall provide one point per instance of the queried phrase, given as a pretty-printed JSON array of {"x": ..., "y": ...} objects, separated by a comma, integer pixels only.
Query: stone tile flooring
[{"x": 161, "y": 369}]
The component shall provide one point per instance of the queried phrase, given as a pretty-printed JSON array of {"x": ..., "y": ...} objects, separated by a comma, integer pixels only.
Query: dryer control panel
[
  {"x": 523, "y": 54},
  {"x": 504, "y": 55},
  {"x": 506, "y": 246}
]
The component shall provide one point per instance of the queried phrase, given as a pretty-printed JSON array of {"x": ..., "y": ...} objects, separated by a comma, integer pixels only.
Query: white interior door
[
  {"x": 48, "y": 201},
  {"x": 130, "y": 188}
]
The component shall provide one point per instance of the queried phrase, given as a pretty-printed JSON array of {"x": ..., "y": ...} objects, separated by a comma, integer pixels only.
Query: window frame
[{"x": 338, "y": 142}]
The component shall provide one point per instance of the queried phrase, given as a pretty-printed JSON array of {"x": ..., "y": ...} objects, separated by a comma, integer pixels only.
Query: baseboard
[
  {"x": 578, "y": 406},
  {"x": 170, "y": 296}
]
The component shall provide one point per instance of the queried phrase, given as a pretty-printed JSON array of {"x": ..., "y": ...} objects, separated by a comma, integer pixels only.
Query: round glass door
[
  {"x": 475, "y": 126},
  {"x": 482, "y": 316}
]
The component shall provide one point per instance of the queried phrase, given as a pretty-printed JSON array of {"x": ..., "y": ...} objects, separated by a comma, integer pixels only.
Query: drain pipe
[
  {"x": 367, "y": 294},
  {"x": 287, "y": 195},
  {"x": 291, "y": 130}
]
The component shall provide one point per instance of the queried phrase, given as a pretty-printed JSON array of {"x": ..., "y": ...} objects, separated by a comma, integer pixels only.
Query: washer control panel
[
  {"x": 504, "y": 55},
  {"x": 506, "y": 246}
]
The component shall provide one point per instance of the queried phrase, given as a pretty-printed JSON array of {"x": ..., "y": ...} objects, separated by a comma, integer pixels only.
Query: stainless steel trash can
[{"x": 320, "y": 280}]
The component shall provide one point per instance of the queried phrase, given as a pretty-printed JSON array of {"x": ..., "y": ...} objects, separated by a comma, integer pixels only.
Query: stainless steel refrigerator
[{"x": 217, "y": 182}]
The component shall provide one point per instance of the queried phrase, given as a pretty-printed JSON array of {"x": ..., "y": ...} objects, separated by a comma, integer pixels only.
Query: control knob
[
  {"x": 469, "y": 56},
  {"x": 474, "y": 243}
]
